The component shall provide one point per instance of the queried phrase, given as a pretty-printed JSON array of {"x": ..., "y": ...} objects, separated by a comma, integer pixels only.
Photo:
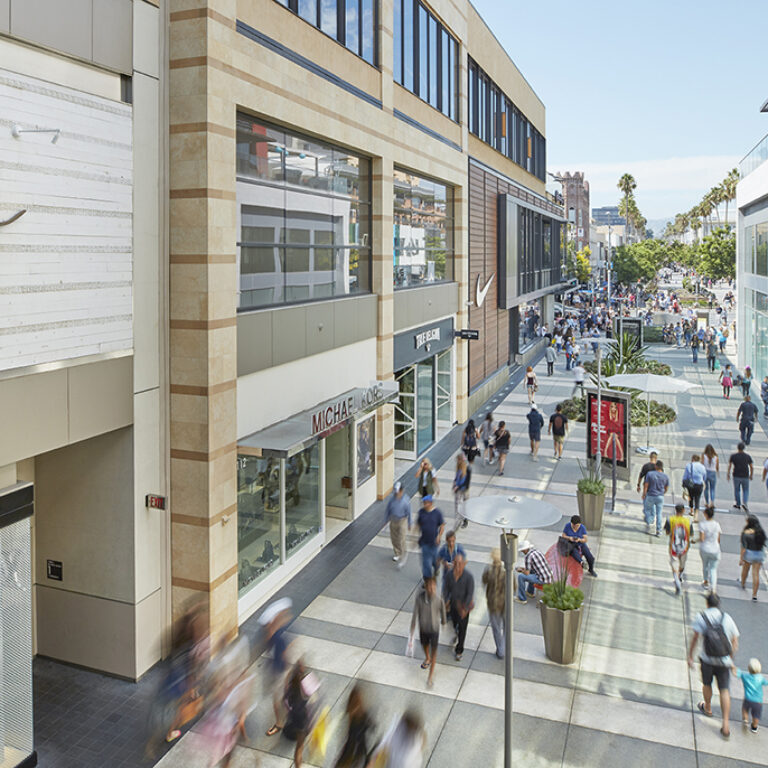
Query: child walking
[{"x": 753, "y": 693}]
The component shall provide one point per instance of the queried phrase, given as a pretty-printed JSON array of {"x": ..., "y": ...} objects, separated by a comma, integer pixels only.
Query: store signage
[
  {"x": 340, "y": 410},
  {"x": 55, "y": 570},
  {"x": 154, "y": 502},
  {"x": 425, "y": 337},
  {"x": 481, "y": 293},
  {"x": 468, "y": 334}
]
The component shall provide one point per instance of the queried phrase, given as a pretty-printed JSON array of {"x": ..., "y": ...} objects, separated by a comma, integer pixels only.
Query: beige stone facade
[{"x": 216, "y": 71}]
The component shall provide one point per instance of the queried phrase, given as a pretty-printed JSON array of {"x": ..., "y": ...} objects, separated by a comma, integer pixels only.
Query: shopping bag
[
  {"x": 717, "y": 364},
  {"x": 318, "y": 738},
  {"x": 409, "y": 646}
]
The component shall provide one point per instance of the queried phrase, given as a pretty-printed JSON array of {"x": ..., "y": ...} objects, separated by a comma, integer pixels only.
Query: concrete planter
[
  {"x": 591, "y": 508},
  {"x": 561, "y": 633}
]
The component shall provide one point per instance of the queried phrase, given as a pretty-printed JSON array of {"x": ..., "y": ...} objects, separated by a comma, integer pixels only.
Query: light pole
[{"x": 508, "y": 513}]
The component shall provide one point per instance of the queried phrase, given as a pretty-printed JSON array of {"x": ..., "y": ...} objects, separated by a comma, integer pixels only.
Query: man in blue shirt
[
  {"x": 447, "y": 554},
  {"x": 431, "y": 524},
  {"x": 576, "y": 533},
  {"x": 399, "y": 519},
  {"x": 694, "y": 477},
  {"x": 654, "y": 488}
]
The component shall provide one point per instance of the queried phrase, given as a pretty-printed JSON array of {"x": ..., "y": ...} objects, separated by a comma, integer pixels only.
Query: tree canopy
[
  {"x": 639, "y": 262},
  {"x": 718, "y": 254}
]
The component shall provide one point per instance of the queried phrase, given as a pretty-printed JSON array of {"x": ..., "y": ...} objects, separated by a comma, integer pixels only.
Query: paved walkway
[{"x": 628, "y": 700}]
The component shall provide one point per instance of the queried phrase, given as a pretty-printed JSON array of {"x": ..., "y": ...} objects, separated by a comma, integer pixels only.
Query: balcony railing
[{"x": 755, "y": 158}]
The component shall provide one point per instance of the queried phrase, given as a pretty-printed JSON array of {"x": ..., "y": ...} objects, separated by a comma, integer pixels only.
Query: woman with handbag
[
  {"x": 469, "y": 441},
  {"x": 694, "y": 477}
]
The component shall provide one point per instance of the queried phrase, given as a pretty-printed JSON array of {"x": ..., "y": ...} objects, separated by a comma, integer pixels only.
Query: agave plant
[{"x": 627, "y": 353}]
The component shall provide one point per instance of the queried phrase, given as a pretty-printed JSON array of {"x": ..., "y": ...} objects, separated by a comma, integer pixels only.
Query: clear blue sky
[{"x": 667, "y": 90}]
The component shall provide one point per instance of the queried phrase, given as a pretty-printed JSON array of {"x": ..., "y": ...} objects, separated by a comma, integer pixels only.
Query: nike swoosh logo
[{"x": 480, "y": 293}]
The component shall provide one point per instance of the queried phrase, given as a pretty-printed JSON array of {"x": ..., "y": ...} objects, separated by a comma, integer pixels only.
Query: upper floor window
[
  {"x": 304, "y": 216},
  {"x": 498, "y": 122},
  {"x": 426, "y": 57},
  {"x": 423, "y": 231},
  {"x": 353, "y": 23}
]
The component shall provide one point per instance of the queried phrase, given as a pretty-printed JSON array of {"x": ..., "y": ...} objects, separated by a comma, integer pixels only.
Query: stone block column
[{"x": 203, "y": 306}]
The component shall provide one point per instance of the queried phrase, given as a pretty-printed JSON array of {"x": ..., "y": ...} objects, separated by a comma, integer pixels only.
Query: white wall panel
[{"x": 66, "y": 266}]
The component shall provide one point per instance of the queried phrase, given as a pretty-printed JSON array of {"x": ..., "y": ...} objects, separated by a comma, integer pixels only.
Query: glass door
[
  {"x": 338, "y": 474},
  {"x": 405, "y": 413},
  {"x": 425, "y": 405},
  {"x": 444, "y": 389}
]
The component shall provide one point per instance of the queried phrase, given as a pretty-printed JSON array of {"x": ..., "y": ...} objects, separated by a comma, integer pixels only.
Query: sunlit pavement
[{"x": 630, "y": 698}]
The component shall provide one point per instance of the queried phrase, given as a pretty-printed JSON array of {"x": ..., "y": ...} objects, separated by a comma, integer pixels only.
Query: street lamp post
[{"x": 508, "y": 513}]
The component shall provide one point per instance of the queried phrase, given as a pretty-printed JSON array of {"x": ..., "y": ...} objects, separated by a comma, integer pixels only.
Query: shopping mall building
[{"x": 236, "y": 290}]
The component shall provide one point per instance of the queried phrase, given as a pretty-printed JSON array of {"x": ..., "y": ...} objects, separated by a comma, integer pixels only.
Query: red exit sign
[{"x": 155, "y": 502}]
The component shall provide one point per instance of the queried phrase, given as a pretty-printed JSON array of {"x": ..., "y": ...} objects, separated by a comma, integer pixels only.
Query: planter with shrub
[
  {"x": 590, "y": 497},
  {"x": 561, "y": 609}
]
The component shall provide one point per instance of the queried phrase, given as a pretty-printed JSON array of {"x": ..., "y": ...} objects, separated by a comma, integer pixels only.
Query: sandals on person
[
  {"x": 425, "y": 664},
  {"x": 274, "y": 729},
  {"x": 725, "y": 735},
  {"x": 703, "y": 711}
]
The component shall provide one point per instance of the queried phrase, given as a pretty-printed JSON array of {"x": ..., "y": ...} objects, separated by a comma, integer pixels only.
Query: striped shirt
[{"x": 535, "y": 563}]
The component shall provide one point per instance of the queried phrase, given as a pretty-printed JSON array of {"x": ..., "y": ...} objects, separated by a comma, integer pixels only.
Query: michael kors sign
[{"x": 336, "y": 412}]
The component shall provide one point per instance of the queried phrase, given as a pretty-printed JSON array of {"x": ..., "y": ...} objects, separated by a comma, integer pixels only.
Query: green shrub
[
  {"x": 591, "y": 487},
  {"x": 561, "y": 596},
  {"x": 653, "y": 335},
  {"x": 575, "y": 409}
]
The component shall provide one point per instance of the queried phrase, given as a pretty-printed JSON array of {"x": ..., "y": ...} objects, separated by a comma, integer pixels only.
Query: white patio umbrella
[{"x": 651, "y": 384}]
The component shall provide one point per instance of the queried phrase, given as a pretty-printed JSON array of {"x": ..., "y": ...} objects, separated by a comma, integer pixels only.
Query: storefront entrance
[{"x": 338, "y": 475}]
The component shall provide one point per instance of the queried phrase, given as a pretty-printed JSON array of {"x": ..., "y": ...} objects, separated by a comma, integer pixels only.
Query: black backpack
[{"x": 716, "y": 642}]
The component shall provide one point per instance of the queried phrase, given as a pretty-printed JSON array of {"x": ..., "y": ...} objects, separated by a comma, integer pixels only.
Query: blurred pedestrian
[
  {"x": 275, "y": 619},
  {"x": 357, "y": 747},
  {"x": 746, "y": 381},
  {"x": 487, "y": 429},
  {"x": 711, "y": 463},
  {"x": 720, "y": 638},
  {"x": 445, "y": 557},
  {"x": 695, "y": 349},
  {"x": 299, "y": 689},
  {"x": 427, "y": 477},
  {"x": 752, "y": 553},
  {"x": 558, "y": 426},
  {"x": 495, "y": 593},
  {"x": 460, "y": 591},
  {"x": 461, "y": 481},
  {"x": 741, "y": 467},
  {"x": 726, "y": 379},
  {"x": 501, "y": 440},
  {"x": 709, "y": 547},
  {"x": 678, "y": 528},
  {"x": 403, "y": 744},
  {"x": 429, "y": 613},
  {"x": 399, "y": 519},
  {"x": 711, "y": 354},
  {"x": 535, "y": 423},
  {"x": 550, "y": 353},
  {"x": 764, "y": 395},
  {"x": 431, "y": 524},
  {"x": 578, "y": 379}
]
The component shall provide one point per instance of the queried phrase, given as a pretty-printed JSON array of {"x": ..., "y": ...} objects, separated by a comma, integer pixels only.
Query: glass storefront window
[
  {"x": 305, "y": 217},
  {"x": 405, "y": 411},
  {"x": 423, "y": 231},
  {"x": 530, "y": 318},
  {"x": 303, "y": 515},
  {"x": 366, "y": 450},
  {"x": 761, "y": 249},
  {"x": 258, "y": 519}
]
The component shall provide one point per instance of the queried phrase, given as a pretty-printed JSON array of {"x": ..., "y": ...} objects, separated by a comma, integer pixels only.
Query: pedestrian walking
[
  {"x": 764, "y": 395},
  {"x": 429, "y": 614},
  {"x": 695, "y": 349},
  {"x": 752, "y": 703},
  {"x": 494, "y": 581},
  {"x": 278, "y": 617},
  {"x": 575, "y": 532},
  {"x": 431, "y": 525},
  {"x": 487, "y": 429},
  {"x": 469, "y": 442},
  {"x": 711, "y": 354},
  {"x": 558, "y": 426},
  {"x": 726, "y": 379},
  {"x": 746, "y": 381},
  {"x": 501, "y": 440},
  {"x": 535, "y": 423},
  {"x": 709, "y": 548},
  {"x": 694, "y": 477},
  {"x": 740, "y": 466},
  {"x": 530, "y": 384},
  {"x": 678, "y": 528},
  {"x": 578, "y": 378},
  {"x": 711, "y": 463},
  {"x": 461, "y": 482},
  {"x": 358, "y": 743},
  {"x": 649, "y": 466},
  {"x": 399, "y": 518},
  {"x": 403, "y": 744},
  {"x": 445, "y": 557},
  {"x": 427, "y": 477},
  {"x": 568, "y": 353},
  {"x": 460, "y": 592},
  {"x": 298, "y": 720},
  {"x": 720, "y": 638},
  {"x": 535, "y": 570},
  {"x": 752, "y": 553},
  {"x": 550, "y": 353},
  {"x": 746, "y": 416},
  {"x": 655, "y": 486}
]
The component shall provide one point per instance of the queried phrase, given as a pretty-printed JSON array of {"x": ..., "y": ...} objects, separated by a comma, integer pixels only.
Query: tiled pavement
[{"x": 629, "y": 699}]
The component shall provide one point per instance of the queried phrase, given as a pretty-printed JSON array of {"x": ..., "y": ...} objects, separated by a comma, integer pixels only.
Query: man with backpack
[
  {"x": 720, "y": 638},
  {"x": 678, "y": 528},
  {"x": 558, "y": 425}
]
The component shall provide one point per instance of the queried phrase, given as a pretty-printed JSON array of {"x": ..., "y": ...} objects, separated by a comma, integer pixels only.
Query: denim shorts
[{"x": 754, "y": 555}]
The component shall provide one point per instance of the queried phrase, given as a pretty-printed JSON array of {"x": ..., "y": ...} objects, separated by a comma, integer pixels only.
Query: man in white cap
[
  {"x": 535, "y": 423},
  {"x": 399, "y": 519},
  {"x": 535, "y": 571}
]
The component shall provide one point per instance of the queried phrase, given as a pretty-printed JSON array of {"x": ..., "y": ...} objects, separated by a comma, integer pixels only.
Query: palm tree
[
  {"x": 627, "y": 185},
  {"x": 729, "y": 190}
]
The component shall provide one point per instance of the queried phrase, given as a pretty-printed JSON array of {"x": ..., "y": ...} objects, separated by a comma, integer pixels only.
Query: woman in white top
[
  {"x": 709, "y": 547},
  {"x": 712, "y": 464},
  {"x": 485, "y": 432},
  {"x": 530, "y": 384}
]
